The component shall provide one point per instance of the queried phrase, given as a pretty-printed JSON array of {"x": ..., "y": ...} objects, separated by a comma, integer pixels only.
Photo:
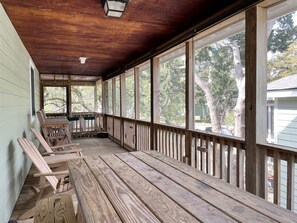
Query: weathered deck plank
[
  {"x": 154, "y": 199},
  {"x": 126, "y": 203},
  {"x": 90, "y": 194},
  {"x": 257, "y": 203},
  {"x": 236, "y": 210}
]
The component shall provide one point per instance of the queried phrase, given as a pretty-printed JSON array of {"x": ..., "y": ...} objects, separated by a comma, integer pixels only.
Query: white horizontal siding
[
  {"x": 286, "y": 123},
  {"x": 15, "y": 117},
  {"x": 286, "y": 134}
]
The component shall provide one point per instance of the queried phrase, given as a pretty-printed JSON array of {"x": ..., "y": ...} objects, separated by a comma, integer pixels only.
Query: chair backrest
[
  {"x": 42, "y": 140},
  {"x": 41, "y": 117},
  {"x": 32, "y": 152}
]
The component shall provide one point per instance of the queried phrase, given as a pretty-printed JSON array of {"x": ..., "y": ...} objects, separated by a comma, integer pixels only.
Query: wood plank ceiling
[{"x": 57, "y": 32}]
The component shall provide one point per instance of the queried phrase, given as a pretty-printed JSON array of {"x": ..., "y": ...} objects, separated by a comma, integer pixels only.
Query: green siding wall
[{"x": 15, "y": 113}]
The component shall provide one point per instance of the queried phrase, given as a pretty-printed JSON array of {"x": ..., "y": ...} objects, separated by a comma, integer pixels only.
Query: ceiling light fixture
[
  {"x": 114, "y": 8},
  {"x": 82, "y": 60}
]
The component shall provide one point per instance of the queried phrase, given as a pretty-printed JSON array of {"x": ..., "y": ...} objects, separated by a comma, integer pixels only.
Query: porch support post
[
  {"x": 155, "y": 101},
  {"x": 255, "y": 107},
  {"x": 122, "y": 105},
  {"x": 190, "y": 120}
]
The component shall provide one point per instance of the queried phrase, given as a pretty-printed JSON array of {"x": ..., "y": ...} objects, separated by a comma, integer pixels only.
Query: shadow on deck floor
[{"x": 89, "y": 146}]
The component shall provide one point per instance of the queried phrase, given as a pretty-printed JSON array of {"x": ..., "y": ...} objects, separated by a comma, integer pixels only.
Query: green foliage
[
  {"x": 283, "y": 35},
  {"x": 283, "y": 64},
  {"x": 229, "y": 119},
  {"x": 109, "y": 86},
  {"x": 99, "y": 97},
  {"x": 117, "y": 97},
  {"x": 54, "y": 99},
  {"x": 130, "y": 99},
  {"x": 172, "y": 91},
  {"x": 82, "y": 99},
  {"x": 215, "y": 65},
  {"x": 145, "y": 94}
]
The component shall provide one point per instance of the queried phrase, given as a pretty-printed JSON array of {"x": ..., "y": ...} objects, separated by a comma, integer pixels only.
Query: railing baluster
[
  {"x": 181, "y": 146},
  {"x": 222, "y": 158},
  {"x": 207, "y": 154},
  {"x": 229, "y": 162},
  {"x": 196, "y": 154},
  {"x": 291, "y": 182},
  {"x": 239, "y": 166},
  {"x": 276, "y": 177}
]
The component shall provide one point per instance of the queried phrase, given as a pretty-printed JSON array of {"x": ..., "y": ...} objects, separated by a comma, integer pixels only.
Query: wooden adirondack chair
[
  {"x": 55, "y": 130},
  {"x": 56, "y": 158},
  {"x": 47, "y": 176},
  {"x": 51, "y": 150}
]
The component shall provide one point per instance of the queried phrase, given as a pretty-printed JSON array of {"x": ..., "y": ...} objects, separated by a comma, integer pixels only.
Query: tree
[
  {"x": 172, "y": 91},
  {"x": 145, "y": 94},
  {"x": 213, "y": 68},
  {"x": 283, "y": 34},
  {"x": 54, "y": 99},
  {"x": 283, "y": 64},
  {"x": 82, "y": 99},
  {"x": 280, "y": 38}
]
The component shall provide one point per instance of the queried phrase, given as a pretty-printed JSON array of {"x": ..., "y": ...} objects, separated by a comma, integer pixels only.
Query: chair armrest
[
  {"x": 62, "y": 152},
  {"x": 65, "y": 172},
  {"x": 65, "y": 145}
]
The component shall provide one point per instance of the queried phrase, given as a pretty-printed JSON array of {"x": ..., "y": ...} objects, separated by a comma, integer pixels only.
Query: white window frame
[{"x": 32, "y": 91}]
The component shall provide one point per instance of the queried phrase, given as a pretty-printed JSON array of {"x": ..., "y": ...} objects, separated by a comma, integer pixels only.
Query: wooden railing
[
  {"x": 117, "y": 129},
  {"x": 83, "y": 124},
  {"x": 170, "y": 141},
  {"x": 129, "y": 133},
  {"x": 280, "y": 184},
  {"x": 143, "y": 135},
  {"x": 218, "y": 155}
]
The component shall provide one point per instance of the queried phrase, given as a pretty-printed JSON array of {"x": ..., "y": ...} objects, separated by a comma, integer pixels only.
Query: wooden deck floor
[{"x": 28, "y": 196}]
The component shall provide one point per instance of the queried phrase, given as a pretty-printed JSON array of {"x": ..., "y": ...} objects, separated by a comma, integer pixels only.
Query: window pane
[
  {"x": 282, "y": 76},
  {"x": 145, "y": 92},
  {"x": 117, "y": 97},
  {"x": 172, "y": 88},
  {"x": 130, "y": 100},
  {"x": 54, "y": 99},
  {"x": 219, "y": 81},
  {"x": 99, "y": 97},
  {"x": 281, "y": 106},
  {"x": 82, "y": 99},
  {"x": 109, "y": 109}
]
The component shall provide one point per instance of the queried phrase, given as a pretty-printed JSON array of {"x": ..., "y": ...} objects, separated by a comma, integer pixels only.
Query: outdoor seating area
[
  {"x": 37, "y": 190},
  {"x": 137, "y": 111}
]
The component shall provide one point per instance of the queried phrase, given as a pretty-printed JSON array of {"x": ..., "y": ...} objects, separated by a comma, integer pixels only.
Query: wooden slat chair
[
  {"x": 47, "y": 176},
  {"x": 55, "y": 130},
  {"x": 56, "y": 158},
  {"x": 51, "y": 150}
]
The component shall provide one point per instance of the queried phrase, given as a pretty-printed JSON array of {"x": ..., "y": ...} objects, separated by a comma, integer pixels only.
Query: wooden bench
[{"x": 55, "y": 209}]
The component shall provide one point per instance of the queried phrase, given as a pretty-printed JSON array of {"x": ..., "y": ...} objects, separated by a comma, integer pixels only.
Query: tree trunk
[
  {"x": 239, "y": 109},
  {"x": 213, "y": 112}
]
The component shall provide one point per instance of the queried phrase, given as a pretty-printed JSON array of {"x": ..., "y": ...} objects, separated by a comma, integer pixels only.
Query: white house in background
[
  {"x": 282, "y": 111},
  {"x": 282, "y": 121}
]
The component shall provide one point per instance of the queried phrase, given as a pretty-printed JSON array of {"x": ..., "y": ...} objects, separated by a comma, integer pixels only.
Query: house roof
[
  {"x": 285, "y": 83},
  {"x": 57, "y": 32}
]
